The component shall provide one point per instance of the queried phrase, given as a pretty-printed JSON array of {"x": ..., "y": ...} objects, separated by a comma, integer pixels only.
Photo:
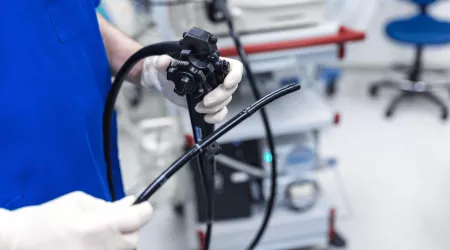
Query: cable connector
[
  {"x": 213, "y": 150},
  {"x": 214, "y": 11}
]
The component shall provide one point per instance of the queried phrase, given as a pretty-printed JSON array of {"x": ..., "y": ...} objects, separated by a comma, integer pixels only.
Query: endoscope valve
[{"x": 199, "y": 68}]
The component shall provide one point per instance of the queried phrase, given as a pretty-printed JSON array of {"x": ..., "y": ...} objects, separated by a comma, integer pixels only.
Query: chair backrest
[{"x": 423, "y": 2}]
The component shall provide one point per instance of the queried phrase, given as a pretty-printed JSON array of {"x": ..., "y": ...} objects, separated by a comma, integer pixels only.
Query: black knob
[
  {"x": 226, "y": 67},
  {"x": 198, "y": 69},
  {"x": 210, "y": 68},
  {"x": 182, "y": 87},
  {"x": 213, "y": 39},
  {"x": 186, "y": 80}
]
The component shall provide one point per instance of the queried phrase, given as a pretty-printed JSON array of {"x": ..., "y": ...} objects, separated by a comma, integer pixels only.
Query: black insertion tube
[
  {"x": 265, "y": 119},
  {"x": 199, "y": 148},
  {"x": 151, "y": 50}
]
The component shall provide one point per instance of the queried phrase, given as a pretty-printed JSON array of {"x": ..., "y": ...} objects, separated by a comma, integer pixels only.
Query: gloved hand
[
  {"x": 75, "y": 221},
  {"x": 214, "y": 105}
]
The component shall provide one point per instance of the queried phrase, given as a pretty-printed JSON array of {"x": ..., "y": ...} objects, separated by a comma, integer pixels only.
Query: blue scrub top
[{"x": 54, "y": 80}]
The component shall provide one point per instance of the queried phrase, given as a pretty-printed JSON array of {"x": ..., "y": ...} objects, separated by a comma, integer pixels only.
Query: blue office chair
[{"x": 420, "y": 30}]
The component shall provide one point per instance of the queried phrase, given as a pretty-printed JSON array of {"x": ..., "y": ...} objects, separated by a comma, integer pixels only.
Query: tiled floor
[{"x": 396, "y": 172}]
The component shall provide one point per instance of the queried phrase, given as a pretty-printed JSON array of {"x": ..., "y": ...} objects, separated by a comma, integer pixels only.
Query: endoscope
[{"x": 197, "y": 71}]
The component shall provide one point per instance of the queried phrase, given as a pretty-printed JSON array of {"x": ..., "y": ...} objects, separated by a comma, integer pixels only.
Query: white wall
[{"x": 379, "y": 51}]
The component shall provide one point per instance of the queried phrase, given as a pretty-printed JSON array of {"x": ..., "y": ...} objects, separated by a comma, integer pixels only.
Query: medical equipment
[
  {"x": 232, "y": 186},
  {"x": 152, "y": 144},
  {"x": 220, "y": 6},
  {"x": 199, "y": 71},
  {"x": 155, "y": 49},
  {"x": 269, "y": 80},
  {"x": 268, "y": 132},
  {"x": 299, "y": 194},
  {"x": 210, "y": 140},
  {"x": 331, "y": 38},
  {"x": 270, "y": 15},
  {"x": 200, "y": 147},
  {"x": 275, "y": 16},
  {"x": 296, "y": 154},
  {"x": 213, "y": 9},
  {"x": 268, "y": 52}
]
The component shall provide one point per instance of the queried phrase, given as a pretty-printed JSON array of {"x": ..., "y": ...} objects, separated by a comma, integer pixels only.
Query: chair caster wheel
[
  {"x": 389, "y": 113},
  {"x": 179, "y": 209},
  {"x": 444, "y": 115},
  {"x": 373, "y": 91}
]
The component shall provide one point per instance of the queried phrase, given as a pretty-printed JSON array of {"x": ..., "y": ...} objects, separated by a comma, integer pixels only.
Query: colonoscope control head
[{"x": 199, "y": 68}]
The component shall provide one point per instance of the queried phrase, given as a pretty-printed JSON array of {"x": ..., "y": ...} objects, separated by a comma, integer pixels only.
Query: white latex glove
[
  {"x": 75, "y": 221},
  {"x": 214, "y": 105}
]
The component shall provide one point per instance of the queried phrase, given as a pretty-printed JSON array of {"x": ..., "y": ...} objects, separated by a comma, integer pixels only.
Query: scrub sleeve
[{"x": 55, "y": 80}]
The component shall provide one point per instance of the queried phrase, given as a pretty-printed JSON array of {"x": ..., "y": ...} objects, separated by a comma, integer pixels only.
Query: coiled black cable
[
  {"x": 270, "y": 140},
  {"x": 167, "y": 48},
  {"x": 173, "y": 49},
  {"x": 152, "y": 50},
  {"x": 199, "y": 148},
  {"x": 210, "y": 195}
]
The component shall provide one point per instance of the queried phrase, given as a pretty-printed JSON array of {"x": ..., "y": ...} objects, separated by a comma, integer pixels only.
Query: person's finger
[
  {"x": 218, "y": 95},
  {"x": 130, "y": 241},
  {"x": 201, "y": 108},
  {"x": 83, "y": 201},
  {"x": 235, "y": 75},
  {"x": 216, "y": 117},
  {"x": 126, "y": 202},
  {"x": 162, "y": 62},
  {"x": 76, "y": 197},
  {"x": 131, "y": 219}
]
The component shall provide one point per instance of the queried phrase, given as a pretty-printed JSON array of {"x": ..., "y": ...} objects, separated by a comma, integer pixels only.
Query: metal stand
[{"x": 413, "y": 86}]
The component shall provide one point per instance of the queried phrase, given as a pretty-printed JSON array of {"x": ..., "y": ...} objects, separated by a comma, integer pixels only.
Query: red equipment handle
[{"x": 344, "y": 35}]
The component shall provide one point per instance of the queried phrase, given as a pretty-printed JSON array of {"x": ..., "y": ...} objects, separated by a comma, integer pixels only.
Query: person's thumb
[
  {"x": 130, "y": 218},
  {"x": 125, "y": 202},
  {"x": 163, "y": 62}
]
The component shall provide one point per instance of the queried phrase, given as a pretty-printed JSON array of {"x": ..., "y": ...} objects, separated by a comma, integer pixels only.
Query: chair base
[{"x": 410, "y": 89}]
